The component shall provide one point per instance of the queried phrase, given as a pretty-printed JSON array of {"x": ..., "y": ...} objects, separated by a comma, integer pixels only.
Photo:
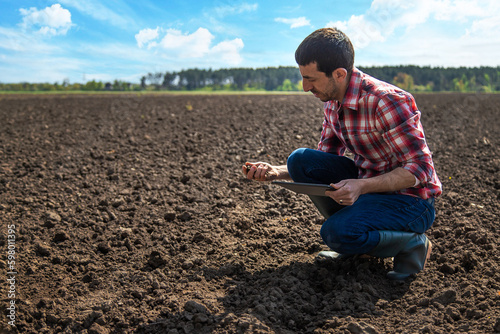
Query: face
[{"x": 323, "y": 87}]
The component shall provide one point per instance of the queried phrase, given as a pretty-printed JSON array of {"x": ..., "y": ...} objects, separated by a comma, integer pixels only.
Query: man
[{"x": 384, "y": 197}]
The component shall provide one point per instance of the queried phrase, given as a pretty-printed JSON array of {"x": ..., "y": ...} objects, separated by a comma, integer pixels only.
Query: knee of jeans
[
  {"x": 331, "y": 236},
  {"x": 339, "y": 237},
  {"x": 295, "y": 163}
]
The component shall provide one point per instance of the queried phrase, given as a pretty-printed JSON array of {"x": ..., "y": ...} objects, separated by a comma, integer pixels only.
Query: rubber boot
[
  {"x": 325, "y": 205},
  {"x": 331, "y": 255},
  {"x": 410, "y": 251}
]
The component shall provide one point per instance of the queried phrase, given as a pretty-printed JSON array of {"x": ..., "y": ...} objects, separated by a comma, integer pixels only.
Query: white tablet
[{"x": 305, "y": 188}]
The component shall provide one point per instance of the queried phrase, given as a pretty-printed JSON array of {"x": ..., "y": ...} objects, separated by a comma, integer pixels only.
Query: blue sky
[{"x": 82, "y": 40}]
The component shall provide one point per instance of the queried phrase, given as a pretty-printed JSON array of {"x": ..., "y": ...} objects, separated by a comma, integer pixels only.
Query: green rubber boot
[{"x": 410, "y": 251}]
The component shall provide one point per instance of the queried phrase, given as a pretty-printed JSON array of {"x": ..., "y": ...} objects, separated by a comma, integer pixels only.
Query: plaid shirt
[{"x": 380, "y": 124}]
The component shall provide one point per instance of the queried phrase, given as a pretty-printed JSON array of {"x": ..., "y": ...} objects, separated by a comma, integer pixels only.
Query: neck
[{"x": 343, "y": 88}]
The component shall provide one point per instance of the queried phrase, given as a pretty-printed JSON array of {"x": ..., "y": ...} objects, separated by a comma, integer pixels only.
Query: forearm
[
  {"x": 395, "y": 180},
  {"x": 282, "y": 173}
]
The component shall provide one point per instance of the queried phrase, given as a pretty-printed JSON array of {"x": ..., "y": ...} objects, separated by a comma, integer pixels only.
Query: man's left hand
[{"x": 347, "y": 191}]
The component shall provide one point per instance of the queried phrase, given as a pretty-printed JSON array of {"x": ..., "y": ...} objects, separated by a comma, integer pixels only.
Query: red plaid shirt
[{"x": 380, "y": 124}]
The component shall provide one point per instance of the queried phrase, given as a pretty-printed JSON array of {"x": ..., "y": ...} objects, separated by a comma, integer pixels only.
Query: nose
[{"x": 306, "y": 86}]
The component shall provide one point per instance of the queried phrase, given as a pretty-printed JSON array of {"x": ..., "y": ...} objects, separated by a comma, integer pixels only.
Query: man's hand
[
  {"x": 262, "y": 171},
  {"x": 347, "y": 191}
]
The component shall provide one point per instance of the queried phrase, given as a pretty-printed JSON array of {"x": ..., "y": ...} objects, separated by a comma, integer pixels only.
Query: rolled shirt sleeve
[{"x": 399, "y": 123}]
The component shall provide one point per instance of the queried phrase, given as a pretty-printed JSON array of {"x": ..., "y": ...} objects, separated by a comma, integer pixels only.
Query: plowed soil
[{"x": 131, "y": 215}]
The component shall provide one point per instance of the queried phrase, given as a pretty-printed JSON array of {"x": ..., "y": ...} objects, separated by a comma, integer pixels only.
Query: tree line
[{"x": 409, "y": 77}]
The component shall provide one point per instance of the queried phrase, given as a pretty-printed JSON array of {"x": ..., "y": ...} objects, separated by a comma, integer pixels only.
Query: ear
[{"x": 339, "y": 74}]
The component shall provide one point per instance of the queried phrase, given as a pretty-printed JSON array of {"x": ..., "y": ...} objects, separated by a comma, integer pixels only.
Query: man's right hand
[
  {"x": 262, "y": 171},
  {"x": 259, "y": 171}
]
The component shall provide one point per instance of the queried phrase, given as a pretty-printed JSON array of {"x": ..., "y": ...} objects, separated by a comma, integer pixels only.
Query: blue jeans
[{"x": 354, "y": 229}]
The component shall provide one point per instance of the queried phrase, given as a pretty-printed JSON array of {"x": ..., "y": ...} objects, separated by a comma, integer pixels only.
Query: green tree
[
  {"x": 404, "y": 81},
  {"x": 287, "y": 86}
]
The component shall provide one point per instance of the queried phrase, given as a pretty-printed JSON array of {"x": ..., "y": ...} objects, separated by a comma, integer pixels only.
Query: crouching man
[{"x": 384, "y": 197}]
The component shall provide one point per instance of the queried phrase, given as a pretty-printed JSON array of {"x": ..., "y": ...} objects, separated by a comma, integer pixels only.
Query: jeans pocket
[{"x": 424, "y": 221}]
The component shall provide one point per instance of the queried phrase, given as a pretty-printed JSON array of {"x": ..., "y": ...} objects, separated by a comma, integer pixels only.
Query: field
[{"x": 129, "y": 214}]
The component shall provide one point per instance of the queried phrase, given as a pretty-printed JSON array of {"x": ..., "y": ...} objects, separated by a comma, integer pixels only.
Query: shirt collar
[{"x": 353, "y": 91}]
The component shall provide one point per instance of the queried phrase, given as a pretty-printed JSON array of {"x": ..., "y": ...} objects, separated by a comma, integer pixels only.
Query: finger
[
  {"x": 266, "y": 173},
  {"x": 261, "y": 172},
  {"x": 261, "y": 168},
  {"x": 245, "y": 169},
  {"x": 338, "y": 185},
  {"x": 330, "y": 192},
  {"x": 251, "y": 172}
]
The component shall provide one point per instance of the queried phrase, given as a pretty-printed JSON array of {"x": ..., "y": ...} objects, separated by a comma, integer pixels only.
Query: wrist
[
  {"x": 282, "y": 172},
  {"x": 365, "y": 186}
]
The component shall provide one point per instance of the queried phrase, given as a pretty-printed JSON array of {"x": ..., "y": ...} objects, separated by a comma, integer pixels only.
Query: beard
[{"x": 330, "y": 92}]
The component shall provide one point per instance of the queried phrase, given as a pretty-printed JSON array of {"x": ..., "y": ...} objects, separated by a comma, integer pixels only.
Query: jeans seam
[{"x": 421, "y": 218}]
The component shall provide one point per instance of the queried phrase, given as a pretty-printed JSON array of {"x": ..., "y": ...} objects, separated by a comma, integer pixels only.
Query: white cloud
[
  {"x": 100, "y": 12},
  {"x": 179, "y": 46},
  {"x": 459, "y": 10},
  {"x": 237, "y": 9},
  {"x": 19, "y": 41},
  {"x": 428, "y": 32},
  {"x": 360, "y": 30},
  {"x": 486, "y": 25},
  {"x": 53, "y": 20},
  {"x": 228, "y": 51},
  {"x": 295, "y": 22},
  {"x": 38, "y": 68},
  {"x": 147, "y": 36},
  {"x": 489, "y": 26},
  {"x": 385, "y": 17},
  {"x": 193, "y": 45},
  {"x": 215, "y": 18},
  {"x": 381, "y": 19}
]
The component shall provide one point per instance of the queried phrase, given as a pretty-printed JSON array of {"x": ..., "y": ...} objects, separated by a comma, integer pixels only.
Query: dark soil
[{"x": 132, "y": 216}]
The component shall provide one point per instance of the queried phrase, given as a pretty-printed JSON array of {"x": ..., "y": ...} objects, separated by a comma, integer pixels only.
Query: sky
[{"x": 83, "y": 40}]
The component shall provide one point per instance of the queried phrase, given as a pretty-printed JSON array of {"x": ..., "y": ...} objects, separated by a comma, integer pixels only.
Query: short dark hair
[{"x": 330, "y": 48}]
